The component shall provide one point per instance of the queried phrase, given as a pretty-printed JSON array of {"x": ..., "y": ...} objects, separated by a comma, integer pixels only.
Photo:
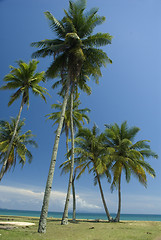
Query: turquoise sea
[{"x": 134, "y": 217}]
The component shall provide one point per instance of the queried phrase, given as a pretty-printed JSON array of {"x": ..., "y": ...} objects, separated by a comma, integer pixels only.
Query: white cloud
[
  {"x": 84, "y": 205},
  {"x": 19, "y": 198}
]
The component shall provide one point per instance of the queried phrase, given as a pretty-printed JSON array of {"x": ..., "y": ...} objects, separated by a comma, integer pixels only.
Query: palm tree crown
[
  {"x": 79, "y": 115},
  {"x": 124, "y": 154},
  {"x": 24, "y": 78},
  {"x": 76, "y": 50},
  {"x": 21, "y": 140},
  {"x": 90, "y": 150}
]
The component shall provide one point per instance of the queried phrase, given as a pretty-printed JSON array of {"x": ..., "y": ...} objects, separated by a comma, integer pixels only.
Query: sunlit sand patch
[{"x": 24, "y": 224}]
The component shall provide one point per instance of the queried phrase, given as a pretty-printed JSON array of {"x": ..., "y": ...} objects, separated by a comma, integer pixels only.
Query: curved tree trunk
[
  {"x": 64, "y": 220},
  {"x": 12, "y": 139},
  {"x": 74, "y": 200},
  {"x": 44, "y": 210},
  {"x": 117, "y": 219},
  {"x": 103, "y": 199}
]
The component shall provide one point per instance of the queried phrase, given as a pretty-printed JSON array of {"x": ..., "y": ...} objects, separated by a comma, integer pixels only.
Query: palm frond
[
  {"x": 55, "y": 25},
  {"x": 54, "y": 69},
  {"x": 15, "y": 96},
  {"x": 99, "y": 39}
]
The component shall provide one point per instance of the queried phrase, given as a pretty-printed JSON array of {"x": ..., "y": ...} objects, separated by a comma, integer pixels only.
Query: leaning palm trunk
[
  {"x": 103, "y": 199},
  {"x": 12, "y": 139},
  {"x": 65, "y": 213},
  {"x": 44, "y": 210},
  {"x": 117, "y": 219},
  {"x": 74, "y": 201}
]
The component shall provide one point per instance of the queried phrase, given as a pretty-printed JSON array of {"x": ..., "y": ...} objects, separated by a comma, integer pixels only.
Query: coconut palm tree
[
  {"x": 23, "y": 79},
  {"x": 19, "y": 149},
  {"x": 78, "y": 56},
  {"x": 92, "y": 155},
  {"x": 78, "y": 117},
  {"x": 128, "y": 156}
]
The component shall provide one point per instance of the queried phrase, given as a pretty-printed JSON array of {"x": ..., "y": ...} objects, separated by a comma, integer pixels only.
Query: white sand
[{"x": 24, "y": 224}]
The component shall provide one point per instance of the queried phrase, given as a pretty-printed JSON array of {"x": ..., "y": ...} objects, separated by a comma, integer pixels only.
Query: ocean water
[{"x": 134, "y": 217}]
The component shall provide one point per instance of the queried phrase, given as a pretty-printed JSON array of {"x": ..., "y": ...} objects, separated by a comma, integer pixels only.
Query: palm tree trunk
[
  {"x": 44, "y": 210},
  {"x": 103, "y": 199},
  {"x": 64, "y": 220},
  {"x": 117, "y": 219},
  {"x": 12, "y": 139},
  {"x": 67, "y": 142},
  {"x": 73, "y": 187},
  {"x": 74, "y": 201}
]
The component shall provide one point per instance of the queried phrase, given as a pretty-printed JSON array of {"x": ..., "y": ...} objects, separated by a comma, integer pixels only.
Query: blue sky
[{"x": 129, "y": 90}]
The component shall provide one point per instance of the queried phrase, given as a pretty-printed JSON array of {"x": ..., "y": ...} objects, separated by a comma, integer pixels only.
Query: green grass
[{"x": 129, "y": 230}]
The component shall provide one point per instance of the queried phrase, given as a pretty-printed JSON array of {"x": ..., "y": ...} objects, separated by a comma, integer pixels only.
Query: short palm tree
[
  {"x": 92, "y": 155},
  {"x": 23, "y": 79},
  {"x": 19, "y": 148},
  {"x": 76, "y": 55},
  {"x": 127, "y": 156},
  {"x": 78, "y": 117}
]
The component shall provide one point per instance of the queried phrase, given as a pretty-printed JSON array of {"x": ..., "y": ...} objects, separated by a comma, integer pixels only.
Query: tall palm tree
[
  {"x": 92, "y": 155},
  {"x": 127, "y": 156},
  {"x": 78, "y": 117},
  {"x": 19, "y": 147},
  {"x": 22, "y": 78},
  {"x": 77, "y": 55}
]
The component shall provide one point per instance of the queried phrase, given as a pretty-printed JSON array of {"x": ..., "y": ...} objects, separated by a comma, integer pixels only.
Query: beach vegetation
[
  {"x": 92, "y": 155},
  {"x": 23, "y": 78},
  {"x": 127, "y": 156},
  {"x": 19, "y": 151},
  {"x": 77, "y": 58}
]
